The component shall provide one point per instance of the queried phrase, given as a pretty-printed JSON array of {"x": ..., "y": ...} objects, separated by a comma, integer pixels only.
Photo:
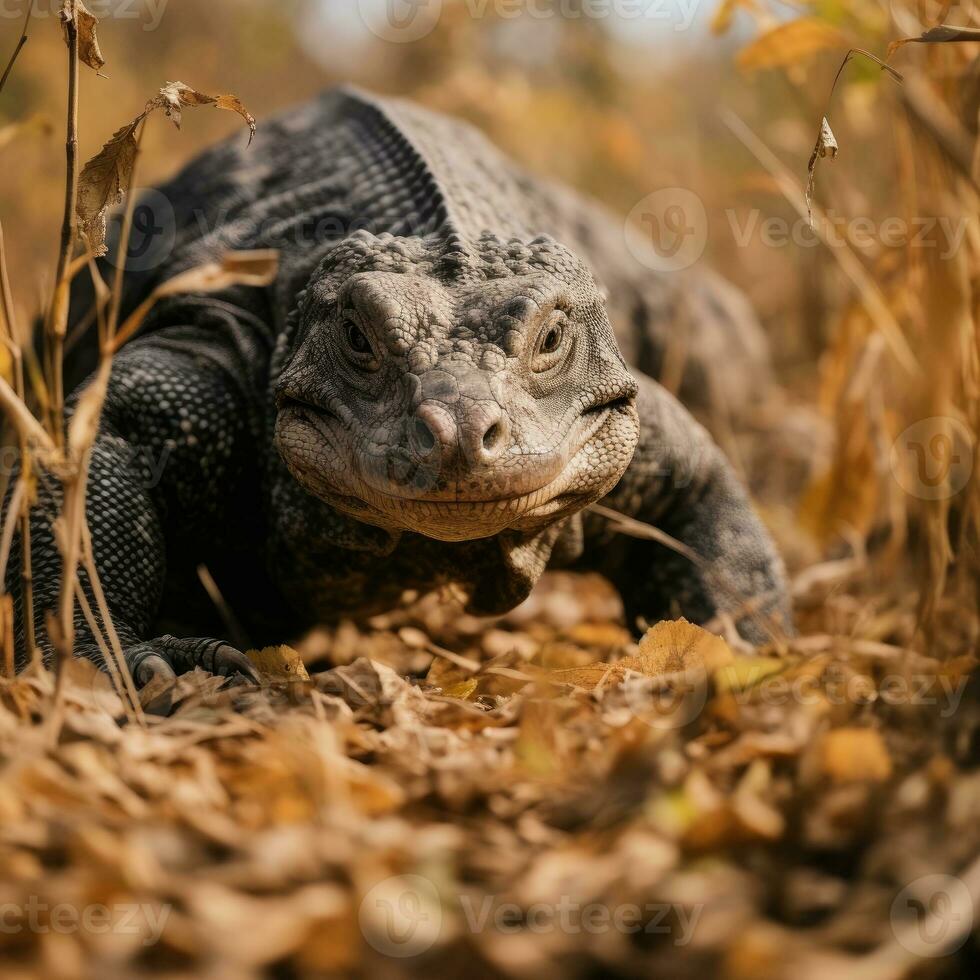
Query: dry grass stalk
[
  {"x": 17, "y": 50},
  {"x": 57, "y": 325},
  {"x": 43, "y": 443}
]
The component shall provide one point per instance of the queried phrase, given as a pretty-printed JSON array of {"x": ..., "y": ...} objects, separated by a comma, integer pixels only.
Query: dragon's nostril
[
  {"x": 424, "y": 438},
  {"x": 492, "y": 436}
]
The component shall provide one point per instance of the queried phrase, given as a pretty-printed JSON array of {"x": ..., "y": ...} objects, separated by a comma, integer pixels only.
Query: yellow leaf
[
  {"x": 789, "y": 44},
  {"x": 599, "y": 635},
  {"x": 855, "y": 755},
  {"x": 588, "y": 677},
  {"x": 278, "y": 664},
  {"x": 745, "y": 672},
  {"x": 672, "y": 646},
  {"x": 462, "y": 691}
]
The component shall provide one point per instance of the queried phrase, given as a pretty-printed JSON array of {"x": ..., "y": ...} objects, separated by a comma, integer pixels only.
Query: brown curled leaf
[
  {"x": 826, "y": 146},
  {"x": 175, "y": 96},
  {"x": 88, "y": 36},
  {"x": 103, "y": 181}
]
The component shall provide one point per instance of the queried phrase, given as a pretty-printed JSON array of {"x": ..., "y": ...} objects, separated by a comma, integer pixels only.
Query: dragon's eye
[
  {"x": 551, "y": 342},
  {"x": 356, "y": 339},
  {"x": 552, "y": 339}
]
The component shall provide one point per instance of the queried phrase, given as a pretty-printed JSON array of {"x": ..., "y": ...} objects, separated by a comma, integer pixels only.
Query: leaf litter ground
[{"x": 438, "y": 796}]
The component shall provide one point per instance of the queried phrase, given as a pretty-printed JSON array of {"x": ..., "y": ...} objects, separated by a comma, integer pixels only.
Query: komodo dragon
[{"x": 430, "y": 393}]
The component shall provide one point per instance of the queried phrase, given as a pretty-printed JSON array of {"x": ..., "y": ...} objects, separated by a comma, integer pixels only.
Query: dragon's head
[{"x": 455, "y": 389}]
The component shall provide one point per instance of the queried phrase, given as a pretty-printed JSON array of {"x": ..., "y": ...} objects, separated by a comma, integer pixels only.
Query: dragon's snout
[{"x": 457, "y": 421}]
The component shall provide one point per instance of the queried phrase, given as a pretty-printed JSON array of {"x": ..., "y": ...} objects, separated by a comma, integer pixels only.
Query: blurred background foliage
[{"x": 618, "y": 106}]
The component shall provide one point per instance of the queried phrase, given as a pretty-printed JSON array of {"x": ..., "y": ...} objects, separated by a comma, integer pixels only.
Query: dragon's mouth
[{"x": 315, "y": 444}]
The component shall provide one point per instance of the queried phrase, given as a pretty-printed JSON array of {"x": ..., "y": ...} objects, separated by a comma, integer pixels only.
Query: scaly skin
[{"x": 431, "y": 392}]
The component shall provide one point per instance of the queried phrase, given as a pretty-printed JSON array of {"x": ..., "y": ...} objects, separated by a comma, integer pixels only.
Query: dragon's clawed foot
[{"x": 156, "y": 663}]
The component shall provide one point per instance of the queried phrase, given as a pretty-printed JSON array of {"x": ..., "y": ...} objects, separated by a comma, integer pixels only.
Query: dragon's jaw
[{"x": 522, "y": 491}]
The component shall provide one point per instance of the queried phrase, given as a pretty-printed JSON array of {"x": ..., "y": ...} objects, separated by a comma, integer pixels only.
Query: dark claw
[
  {"x": 156, "y": 679},
  {"x": 227, "y": 662},
  {"x": 156, "y": 663}
]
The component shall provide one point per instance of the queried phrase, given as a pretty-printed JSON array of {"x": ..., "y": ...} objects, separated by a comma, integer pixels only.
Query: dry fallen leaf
[
  {"x": 670, "y": 647},
  {"x": 745, "y": 672},
  {"x": 463, "y": 691},
  {"x": 588, "y": 677},
  {"x": 678, "y": 645},
  {"x": 854, "y": 755},
  {"x": 277, "y": 664}
]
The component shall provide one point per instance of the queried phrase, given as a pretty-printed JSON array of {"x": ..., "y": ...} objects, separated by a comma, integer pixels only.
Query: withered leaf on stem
[
  {"x": 944, "y": 34},
  {"x": 104, "y": 178},
  {"x": 174, "y": 96},
  {"x": 88, "y": 38},
  {"x": 826, "y": 146},
  {"x": 102, "y": 182}
]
